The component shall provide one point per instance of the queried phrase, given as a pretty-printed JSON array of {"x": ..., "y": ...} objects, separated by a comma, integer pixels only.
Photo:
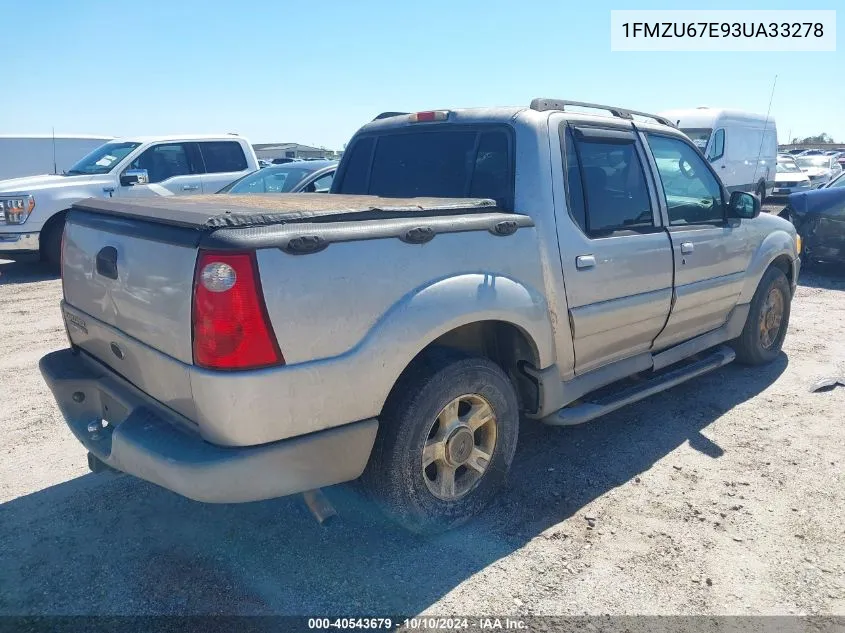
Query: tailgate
[{"x": 125, "y": 278}]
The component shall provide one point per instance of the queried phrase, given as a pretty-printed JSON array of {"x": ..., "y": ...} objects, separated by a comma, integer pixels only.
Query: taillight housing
[{"x": 231, "y": 327}]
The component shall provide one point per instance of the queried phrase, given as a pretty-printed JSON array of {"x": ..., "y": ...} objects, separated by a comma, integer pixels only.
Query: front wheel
[
  {"x": 768, "y": 318},
  {"x": 447, "y": 436}
]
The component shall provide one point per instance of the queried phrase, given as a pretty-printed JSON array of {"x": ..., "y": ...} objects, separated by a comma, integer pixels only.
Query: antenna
[
  {"x": 55, "y": 170},
  {"x": 763, "y": 138}
]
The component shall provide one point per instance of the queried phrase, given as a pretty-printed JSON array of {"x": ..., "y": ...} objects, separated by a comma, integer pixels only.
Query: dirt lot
[{"x": 722, "y": 496}]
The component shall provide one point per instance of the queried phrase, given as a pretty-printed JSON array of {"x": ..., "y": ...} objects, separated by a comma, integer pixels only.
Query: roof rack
[
  {"x": 387, "y": 115},
  {"x": 543, "y": 105}
]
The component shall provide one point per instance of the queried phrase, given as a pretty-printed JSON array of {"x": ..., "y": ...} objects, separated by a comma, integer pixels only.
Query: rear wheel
[
  {"x": 768, "y": 318},
  {"x": 51, "y": 242},
  {"x": 446, "y": 440}
]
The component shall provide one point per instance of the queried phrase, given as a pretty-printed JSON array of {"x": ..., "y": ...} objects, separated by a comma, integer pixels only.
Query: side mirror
[
  {"x": 744, "y": 205},
  {"x": 134, "y": 177}
]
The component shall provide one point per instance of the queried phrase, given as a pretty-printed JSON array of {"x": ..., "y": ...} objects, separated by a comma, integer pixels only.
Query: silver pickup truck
[{"x": 470, "y": 267}]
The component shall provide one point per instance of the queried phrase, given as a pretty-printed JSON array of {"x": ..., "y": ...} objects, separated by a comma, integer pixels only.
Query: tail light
[{"x": 231, "y": 327}]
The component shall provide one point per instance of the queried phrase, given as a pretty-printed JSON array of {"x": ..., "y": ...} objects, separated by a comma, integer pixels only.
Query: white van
[
  {"x": 34, "y": 154},
  {"x": 742, "y": 146}
]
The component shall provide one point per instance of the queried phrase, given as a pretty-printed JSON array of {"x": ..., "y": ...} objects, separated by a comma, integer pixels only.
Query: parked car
[
  {"x": 819, "y": 218},
  {"x": 789, "y": 177},
  {"x": 36, "y": 207},
  {"x": 308, "y": 177},
  {"x": 283, "y": 160},
  {"x": 820, "y": 169},
  {"x": 741, "y": 146},
  {"x": 43, "y": 154},
  {"x": 242, "y": 349}
]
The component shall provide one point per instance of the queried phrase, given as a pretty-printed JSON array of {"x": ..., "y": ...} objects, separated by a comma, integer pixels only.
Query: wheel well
[
  {"x": 53, "y": 220},
  {"x": 503, "y": 343},
  {"x": 783, "y": 262}
]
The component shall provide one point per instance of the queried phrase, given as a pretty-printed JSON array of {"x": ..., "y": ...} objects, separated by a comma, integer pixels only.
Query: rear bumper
[
  {"x": 19, "y": 245},
  {"x": 147, "y": 440}
]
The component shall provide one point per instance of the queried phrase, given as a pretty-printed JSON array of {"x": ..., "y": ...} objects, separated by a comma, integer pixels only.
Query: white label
[{"x": 723, "y": 30}]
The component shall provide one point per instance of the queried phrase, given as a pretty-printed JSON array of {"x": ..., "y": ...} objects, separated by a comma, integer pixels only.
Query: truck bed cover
[{"x": 217, "y": 211}]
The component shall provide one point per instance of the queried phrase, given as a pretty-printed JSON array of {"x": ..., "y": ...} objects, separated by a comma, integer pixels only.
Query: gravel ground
[{"x": 722, "y": 496}]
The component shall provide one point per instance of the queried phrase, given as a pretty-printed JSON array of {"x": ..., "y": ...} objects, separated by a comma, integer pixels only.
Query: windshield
[
  {"x": 787, "y": 165},
  {"x": 813, "y": 161},
  {"x": 102, "y": 159},
  {"x": 699, "y": 136},
  {"x": 837, "y": 182},
  {"x": 276, "y": 179}
]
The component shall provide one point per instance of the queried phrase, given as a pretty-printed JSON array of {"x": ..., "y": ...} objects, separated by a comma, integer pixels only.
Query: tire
[
  {"x": 759, "y": 344},
  {"x": 51, "y": 243},
  {"x": 416, "y": 413}
]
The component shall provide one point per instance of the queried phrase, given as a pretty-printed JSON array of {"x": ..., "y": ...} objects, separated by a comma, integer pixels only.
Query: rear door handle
[
  {"x": 687, "y": 248},
  {"x": 189, "y": 187},
  {"x": 585, "y": 261}
]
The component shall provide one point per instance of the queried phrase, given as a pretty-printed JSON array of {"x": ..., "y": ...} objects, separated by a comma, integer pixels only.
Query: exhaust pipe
[{"x": 320, "y": 506}]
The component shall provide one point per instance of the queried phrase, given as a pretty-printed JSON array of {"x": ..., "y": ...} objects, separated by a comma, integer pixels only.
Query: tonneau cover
[{"x": 216, "y": 211}]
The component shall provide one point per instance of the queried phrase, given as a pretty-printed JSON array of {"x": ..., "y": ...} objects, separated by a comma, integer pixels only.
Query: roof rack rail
[
  {"x": 543, "y": 105},
  {"x": 387, "y": 115}
]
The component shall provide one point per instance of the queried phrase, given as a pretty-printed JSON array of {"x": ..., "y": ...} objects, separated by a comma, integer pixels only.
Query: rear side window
[
  {"x": 453, "y": 163},
  {"x": 223, "y": 156},
  {"x": 606, "y": 185}
]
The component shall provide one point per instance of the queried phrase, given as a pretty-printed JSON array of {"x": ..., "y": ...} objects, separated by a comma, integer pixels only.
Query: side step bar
[{"x": 584, "y": 412}]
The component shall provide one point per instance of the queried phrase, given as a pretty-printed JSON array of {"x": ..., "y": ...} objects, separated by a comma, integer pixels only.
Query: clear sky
[{"x": 313, "y": 72}]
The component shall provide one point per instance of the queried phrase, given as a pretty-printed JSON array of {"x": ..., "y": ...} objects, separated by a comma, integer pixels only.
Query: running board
[{"x": 586, "y": 411}]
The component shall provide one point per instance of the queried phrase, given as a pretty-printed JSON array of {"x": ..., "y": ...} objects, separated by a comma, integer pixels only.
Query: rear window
[
  {"x": 223, "y": 156},
  {"x": 451, "y": 163}
]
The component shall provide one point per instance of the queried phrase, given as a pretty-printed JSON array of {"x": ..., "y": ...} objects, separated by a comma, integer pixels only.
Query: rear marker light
[{"x": 231, "y": 328}]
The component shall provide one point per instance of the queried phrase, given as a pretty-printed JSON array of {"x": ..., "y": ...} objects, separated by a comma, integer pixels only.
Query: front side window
[
  {"x": 320, "y": 185},
  {"x": 102, "y": 160},
  {"x": 222, "y": 156},
  {"x": 615, "y": 190},
  {"x": 165, "y": 161},
  {"x": 693, "y": 195},
  {"x": 839, "y": 182},
  {"x": 699, "y": 136},
  {"x": 717, "y": 150}
]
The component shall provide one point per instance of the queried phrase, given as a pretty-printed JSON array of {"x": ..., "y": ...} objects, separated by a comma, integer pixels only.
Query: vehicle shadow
[
  {"x": 25, "y": 272},
  {"x": 112, "y": 544},
  {"x": 823, "y": 275}
]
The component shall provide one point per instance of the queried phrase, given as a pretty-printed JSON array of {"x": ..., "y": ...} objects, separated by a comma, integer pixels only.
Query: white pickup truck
[{"x": 33, "y": 209}]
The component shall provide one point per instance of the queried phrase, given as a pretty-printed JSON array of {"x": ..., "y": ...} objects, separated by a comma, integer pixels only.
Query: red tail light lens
[{"x": 231, "y": 327}]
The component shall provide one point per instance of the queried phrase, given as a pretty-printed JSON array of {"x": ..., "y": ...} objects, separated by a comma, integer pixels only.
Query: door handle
[
  {"x": 687, "y": 248},
  {"x": 190, "y": 187},
  {"x": 585, "y": 261}
]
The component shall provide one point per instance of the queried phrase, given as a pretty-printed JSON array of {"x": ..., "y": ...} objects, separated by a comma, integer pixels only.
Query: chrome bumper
[{"x": 12, "y": 243}]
